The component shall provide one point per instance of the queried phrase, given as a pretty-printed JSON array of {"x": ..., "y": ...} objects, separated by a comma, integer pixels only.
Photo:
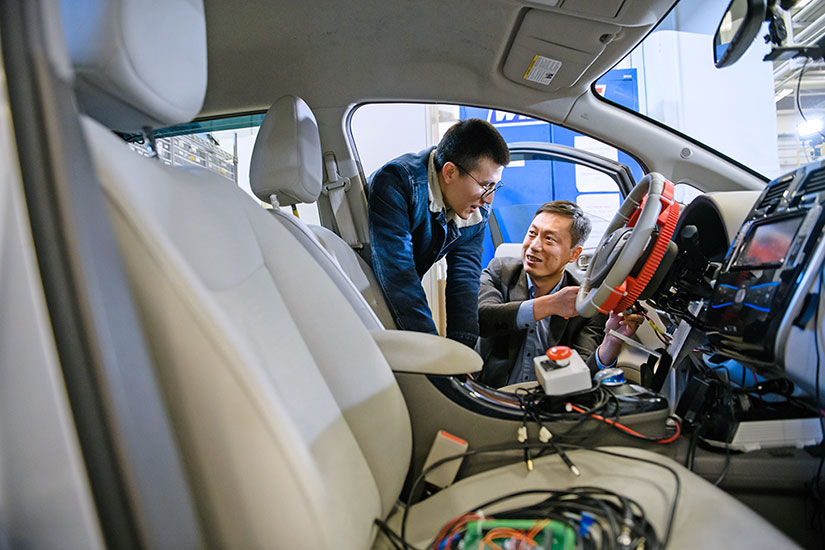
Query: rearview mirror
[{"x": 736, "y": 31}]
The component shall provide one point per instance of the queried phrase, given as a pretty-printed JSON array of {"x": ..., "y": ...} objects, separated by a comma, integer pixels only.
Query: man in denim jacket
[{"x": 424, "y": 206}]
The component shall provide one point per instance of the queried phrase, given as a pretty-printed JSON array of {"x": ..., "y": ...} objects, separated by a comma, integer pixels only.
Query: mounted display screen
[{"x": 768, "y": 243}]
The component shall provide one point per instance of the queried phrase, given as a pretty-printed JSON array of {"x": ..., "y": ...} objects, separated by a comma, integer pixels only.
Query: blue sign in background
[{"x": 528, "y": 186}]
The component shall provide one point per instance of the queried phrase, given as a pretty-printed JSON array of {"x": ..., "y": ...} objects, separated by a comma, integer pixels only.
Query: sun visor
[
  {"x": 602, "y": 8},
  {"x": 551, "y": 51}
]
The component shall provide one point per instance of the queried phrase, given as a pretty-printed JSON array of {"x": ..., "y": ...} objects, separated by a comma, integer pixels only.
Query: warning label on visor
[{"x": 542, "y": 70}]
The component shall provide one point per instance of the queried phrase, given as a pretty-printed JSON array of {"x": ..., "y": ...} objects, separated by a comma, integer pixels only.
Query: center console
[{"x": 758, "y": 293}]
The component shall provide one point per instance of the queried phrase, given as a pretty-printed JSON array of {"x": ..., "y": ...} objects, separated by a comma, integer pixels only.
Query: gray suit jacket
[{"x": 503, "y": 289}]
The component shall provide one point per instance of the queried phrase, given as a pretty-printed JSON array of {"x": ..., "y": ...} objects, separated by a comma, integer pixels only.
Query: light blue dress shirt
[{"x": 535, "y": 341}]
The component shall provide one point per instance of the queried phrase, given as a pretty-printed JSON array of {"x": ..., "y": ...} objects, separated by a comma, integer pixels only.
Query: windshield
[{"x": 765, "y": 115}]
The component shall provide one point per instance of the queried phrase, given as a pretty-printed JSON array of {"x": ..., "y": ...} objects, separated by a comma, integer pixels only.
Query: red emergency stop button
[{"x": 559, "y": 352}]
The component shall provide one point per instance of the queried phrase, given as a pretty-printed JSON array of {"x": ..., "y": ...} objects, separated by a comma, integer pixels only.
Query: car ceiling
[{"x": 335, "y": 54}]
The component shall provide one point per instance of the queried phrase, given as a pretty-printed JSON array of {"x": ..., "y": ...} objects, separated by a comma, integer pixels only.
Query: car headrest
[
  {"x": 287, "y": 159},
  {"x": 137, "y": 64}
]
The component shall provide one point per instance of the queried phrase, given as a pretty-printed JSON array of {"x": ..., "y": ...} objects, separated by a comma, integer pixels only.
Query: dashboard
[{"x": 755, "y": 292}]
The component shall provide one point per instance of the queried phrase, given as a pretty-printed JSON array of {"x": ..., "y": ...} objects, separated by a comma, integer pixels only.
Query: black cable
[
  {"x": 659, "y": 332},
  {"x": 613, "y": 422},
  {"x": 720, "y": 378},
  {"x": 535, "y": 401},
  {"x": 728, "y": 441},
  {"x": 437, "y": 463},
  {"x": 510, "y": 447},
  {"x": 676, "y": 492},
  {"x": 549, "y": 435},
  {"x": 560, "y": 505},
  {"x": 798, "y": 87},
  {"x": 694, "y": 440},
  {"x": 396, "y": 541},
  {"x": 691, "y": 319},
  {"x": 599, "y": 408}
]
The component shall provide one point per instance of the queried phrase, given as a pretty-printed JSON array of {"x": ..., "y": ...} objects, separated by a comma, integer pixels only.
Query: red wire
[
  {"x": 630, "y": 431},
  {"x": 454, "y": 526}
]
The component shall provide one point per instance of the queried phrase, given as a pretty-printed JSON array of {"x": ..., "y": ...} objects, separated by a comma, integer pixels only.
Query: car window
[
  {"x": 535, "y": 178},
  {"x": 684, "y": 193},
  {"x": 223, "y": 146},
  {"x": 384, "y": 131},
  {"x": 765, "y": 115}
]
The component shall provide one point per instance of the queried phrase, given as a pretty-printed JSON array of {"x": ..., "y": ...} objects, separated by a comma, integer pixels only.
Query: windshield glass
[{"x": 765, "y": 115}]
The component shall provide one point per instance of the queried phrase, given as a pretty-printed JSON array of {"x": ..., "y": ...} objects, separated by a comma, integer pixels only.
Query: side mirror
[{"x": 736, "y": 31}]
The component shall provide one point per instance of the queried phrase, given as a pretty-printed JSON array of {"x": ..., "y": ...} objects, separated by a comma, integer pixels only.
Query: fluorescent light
[
  {"x": 809, "y": 127},
  {"x": 783, "y": 93}
]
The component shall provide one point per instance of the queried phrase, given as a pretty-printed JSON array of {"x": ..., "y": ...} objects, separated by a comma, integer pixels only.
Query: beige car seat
[{"x": 285, "y": 170}]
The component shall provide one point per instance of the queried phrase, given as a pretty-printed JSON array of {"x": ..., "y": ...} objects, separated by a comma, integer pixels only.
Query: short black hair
[
  {"x": 468, "y": 141},
  {"x": 579, "y": 226}
]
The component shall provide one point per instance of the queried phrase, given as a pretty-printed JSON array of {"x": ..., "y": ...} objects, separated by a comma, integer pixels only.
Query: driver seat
[{"x": 293, "y": 429}]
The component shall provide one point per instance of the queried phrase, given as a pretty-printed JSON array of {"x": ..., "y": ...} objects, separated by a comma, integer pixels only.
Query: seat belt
[{"x": 336, "y": 187}]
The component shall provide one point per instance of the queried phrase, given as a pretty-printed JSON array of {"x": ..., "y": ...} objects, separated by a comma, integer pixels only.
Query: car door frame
[{"x": 617, "y": 171}]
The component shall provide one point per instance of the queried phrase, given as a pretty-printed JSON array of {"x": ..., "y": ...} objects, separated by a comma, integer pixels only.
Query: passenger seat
[{"x": 285, "y": 170}]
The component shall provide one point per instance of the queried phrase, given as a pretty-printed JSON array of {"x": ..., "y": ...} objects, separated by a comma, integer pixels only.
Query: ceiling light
[{"x": 809, "y": 127}]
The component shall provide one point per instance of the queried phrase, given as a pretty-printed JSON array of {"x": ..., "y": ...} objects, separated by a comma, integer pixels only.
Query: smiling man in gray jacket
[{"x": 527, "y": 305}]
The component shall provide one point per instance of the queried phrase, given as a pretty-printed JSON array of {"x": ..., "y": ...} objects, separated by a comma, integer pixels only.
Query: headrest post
[
  {"x": 149, "y": 137},
  {"x": 273, "y": 200}
]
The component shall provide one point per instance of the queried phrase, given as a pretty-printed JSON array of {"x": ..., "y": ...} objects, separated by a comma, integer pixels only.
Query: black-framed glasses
[{"x": 488, "y": 188}]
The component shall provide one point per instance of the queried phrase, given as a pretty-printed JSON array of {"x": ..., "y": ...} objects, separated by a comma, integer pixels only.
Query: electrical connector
[
  {"x": 545, "y": 435},
  {"x": 624, "y": 537},
  {"x": 522, "y": 438}
]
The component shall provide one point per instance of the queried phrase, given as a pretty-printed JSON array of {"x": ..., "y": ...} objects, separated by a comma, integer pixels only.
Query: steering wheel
[{"x": 630, "y": 249}]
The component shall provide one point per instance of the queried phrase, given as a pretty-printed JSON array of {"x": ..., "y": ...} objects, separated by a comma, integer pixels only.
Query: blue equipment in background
[{"x": 515, "y": 204}]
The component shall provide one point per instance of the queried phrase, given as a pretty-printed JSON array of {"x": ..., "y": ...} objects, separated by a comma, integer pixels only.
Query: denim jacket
[{"x": 407, "y": 239}]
